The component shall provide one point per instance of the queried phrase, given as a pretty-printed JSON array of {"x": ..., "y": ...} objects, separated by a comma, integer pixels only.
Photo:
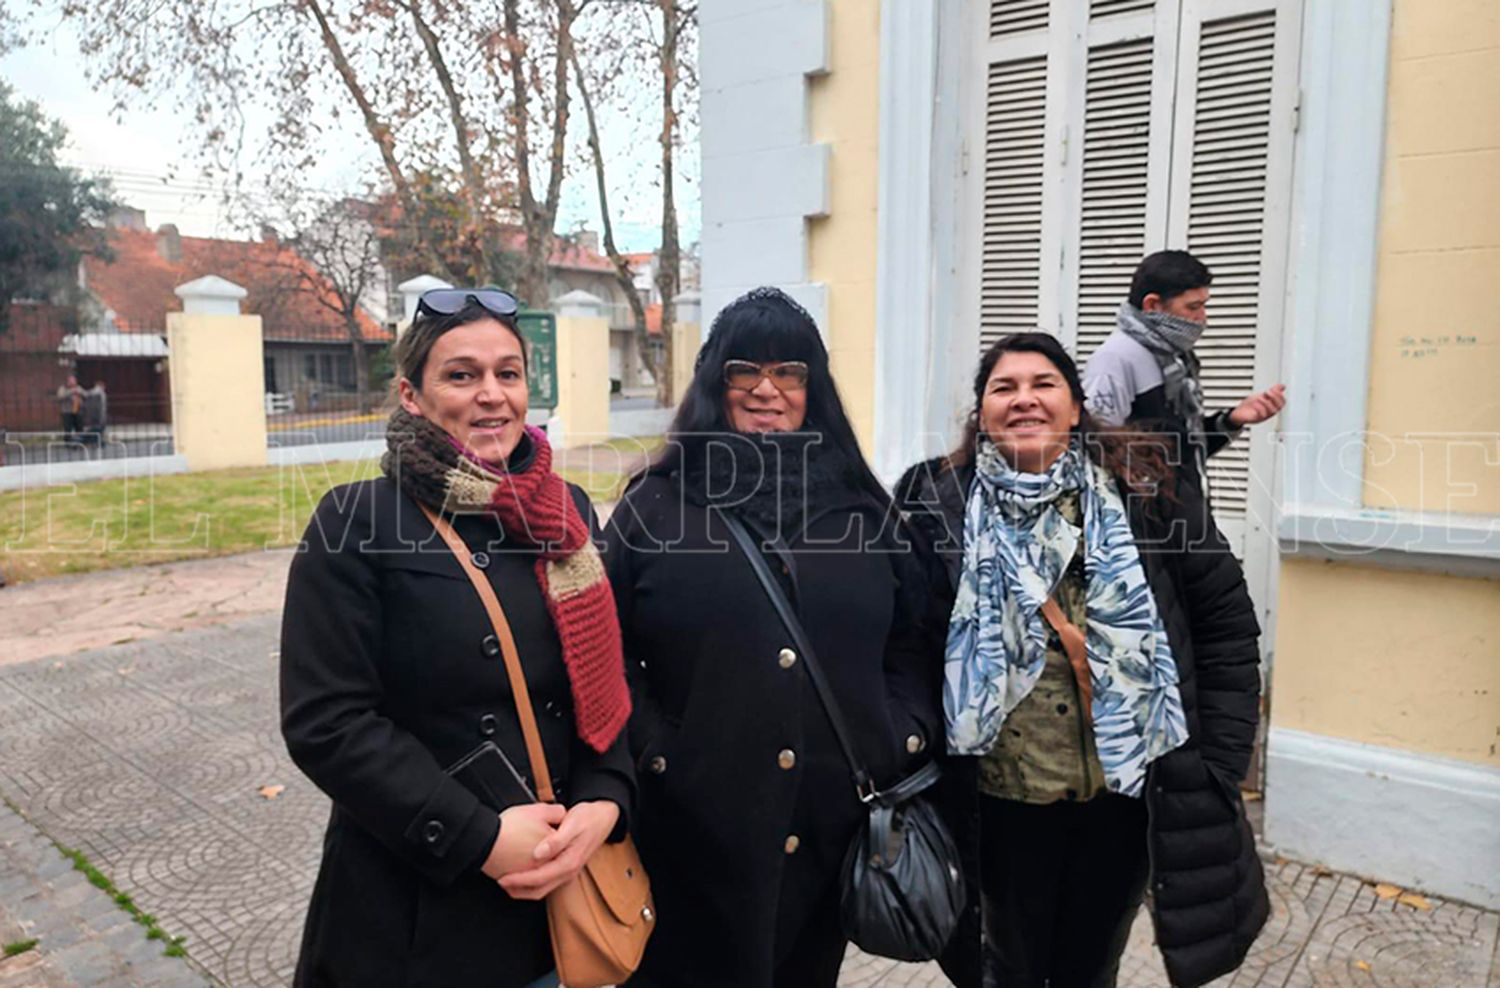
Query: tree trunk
[
  {"x": 361, "y": 359},
  {"x": 669, "y": 258},
  {"x": 624, "y": 277},
  {"x": 539, "y": 217}
]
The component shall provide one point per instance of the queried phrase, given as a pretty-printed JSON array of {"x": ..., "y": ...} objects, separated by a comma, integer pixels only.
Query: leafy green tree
[{"x": 50, "y": 215}]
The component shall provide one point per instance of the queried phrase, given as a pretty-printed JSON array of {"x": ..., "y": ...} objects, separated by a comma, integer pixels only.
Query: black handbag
[{"x": 903, "y": 890}]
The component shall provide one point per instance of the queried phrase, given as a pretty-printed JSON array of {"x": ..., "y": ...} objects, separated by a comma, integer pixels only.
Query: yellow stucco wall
[
  {"x": 218, "y": 390},
  {"x": 1436, "y": 354},
  {"x": 583, "y": 379},
  {"x": 845, "y": 114},
  {"x": 1402, "y": 659}
]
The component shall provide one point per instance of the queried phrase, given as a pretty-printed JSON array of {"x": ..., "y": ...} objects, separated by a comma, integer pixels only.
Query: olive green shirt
[{"x": 1046, "y": 751}]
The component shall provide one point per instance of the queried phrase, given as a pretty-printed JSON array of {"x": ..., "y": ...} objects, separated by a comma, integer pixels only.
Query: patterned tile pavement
[{"x": 150, "y": 756}]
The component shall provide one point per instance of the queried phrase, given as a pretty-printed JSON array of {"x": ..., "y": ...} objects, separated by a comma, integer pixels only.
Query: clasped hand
[{"x": 543, "y": 845}]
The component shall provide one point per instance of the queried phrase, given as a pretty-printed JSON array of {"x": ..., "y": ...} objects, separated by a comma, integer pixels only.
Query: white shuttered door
[
  {"x": 1232, "y": 149},
  {"x": 1010, "y": 252}
]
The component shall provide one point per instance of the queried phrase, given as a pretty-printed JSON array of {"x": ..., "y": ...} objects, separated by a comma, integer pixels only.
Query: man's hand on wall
[{"x": 1258, "y": 407}]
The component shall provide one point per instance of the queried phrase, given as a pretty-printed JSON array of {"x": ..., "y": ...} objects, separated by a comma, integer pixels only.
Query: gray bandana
[{"x": 1170, "y": 338}]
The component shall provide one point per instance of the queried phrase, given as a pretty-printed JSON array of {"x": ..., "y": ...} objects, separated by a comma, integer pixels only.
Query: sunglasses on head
[
  {"x": 746, "y": 375},
  {"x": 447, "y": 301}
]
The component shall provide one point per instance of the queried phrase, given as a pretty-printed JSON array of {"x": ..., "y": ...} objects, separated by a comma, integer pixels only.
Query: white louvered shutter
[
  {"x": 1109, "y": 8},
  {"x": 1009, "y": 17},
  {"x": 1010, "y": 247},
  {"x": 1114, "y": 186},
  {"x": 1226, "y": 140}
]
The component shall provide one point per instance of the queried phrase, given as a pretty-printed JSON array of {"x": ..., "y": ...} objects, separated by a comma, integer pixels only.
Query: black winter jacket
[
  {"x": 746, "y": 803},
  {"x": 1208, "y": 896},
  {"x": 389, "y": 673}
]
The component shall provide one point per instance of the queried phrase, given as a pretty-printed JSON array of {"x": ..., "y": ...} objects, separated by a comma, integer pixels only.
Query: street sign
[{"x": 539, "y": 330}]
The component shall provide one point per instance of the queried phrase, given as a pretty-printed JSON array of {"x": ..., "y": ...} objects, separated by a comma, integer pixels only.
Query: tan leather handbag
[{"x": 601, "y": 920}]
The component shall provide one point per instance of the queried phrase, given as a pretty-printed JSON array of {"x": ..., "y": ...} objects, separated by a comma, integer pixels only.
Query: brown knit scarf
[{"x": 536, "y": 511}]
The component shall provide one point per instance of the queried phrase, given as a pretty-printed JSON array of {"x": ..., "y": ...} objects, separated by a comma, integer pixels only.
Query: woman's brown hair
[
  {"x": 411, "y": 350},
  {"x": 1138, "y": 459}
]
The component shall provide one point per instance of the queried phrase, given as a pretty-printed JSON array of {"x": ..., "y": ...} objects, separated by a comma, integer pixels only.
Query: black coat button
[
  {"x": 1072, "y": 793},
  {"x": 433, "y": 832},
  {"x": 480, "y": 560},
  {"x": 553, "y": 708},
  {"x": 1062, "y": 708},
  {"x": 487, "y": 725},
  {"x": 491, "y": 646}
]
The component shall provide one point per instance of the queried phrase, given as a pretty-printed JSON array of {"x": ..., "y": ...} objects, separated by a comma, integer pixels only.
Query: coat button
[
  {"x": 1071, "y": 794},
  {"x": 786, "y": 658},
  {"x": 786, "y": 758},
  {"x": 914, "y": 744},
  {"x": 490, "y": 645},
  {"x": 553, "y": 708},
  {"x": 792, "y": 843},
  {"x": 481, "y": 560},
  {"x": 433, "y": 832},
  {"x": 1062, "y": 708},
  {"x": 658, "y": 764},
  {"x": 487, "y": 725}
]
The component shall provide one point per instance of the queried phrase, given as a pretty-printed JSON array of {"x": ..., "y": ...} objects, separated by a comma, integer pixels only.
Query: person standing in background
[
  {"x": 95, "y": 414},
  {"x": 1147, "y": 374},
  {"x": 70, "y": 405}
]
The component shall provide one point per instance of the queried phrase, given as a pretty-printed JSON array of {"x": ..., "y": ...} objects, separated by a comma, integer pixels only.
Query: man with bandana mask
[{"x": 1147, "y": 375}]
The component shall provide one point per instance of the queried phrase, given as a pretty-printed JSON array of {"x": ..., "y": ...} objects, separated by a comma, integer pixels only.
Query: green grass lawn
[{"x": 108, "y": 524}]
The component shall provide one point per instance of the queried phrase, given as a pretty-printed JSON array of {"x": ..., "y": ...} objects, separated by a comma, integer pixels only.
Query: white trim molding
[
  {"x": 1458, "y": 545},
  {"x": 1398, "y": 816},
  {"x": 763, "y": 177},
  {"x": 905, "y": 345}
]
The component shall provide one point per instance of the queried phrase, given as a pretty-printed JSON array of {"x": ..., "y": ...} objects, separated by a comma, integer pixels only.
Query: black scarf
[{"x": 777, "y": 481}]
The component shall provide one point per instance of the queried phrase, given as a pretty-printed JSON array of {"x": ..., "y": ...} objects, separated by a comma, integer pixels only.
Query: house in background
[
  {"x": 927, "y": 175},
  {"x": 308, "y": 348}
]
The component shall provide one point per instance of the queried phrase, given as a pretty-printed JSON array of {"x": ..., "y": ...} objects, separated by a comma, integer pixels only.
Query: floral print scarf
[{"x": 1016, "y": 547}]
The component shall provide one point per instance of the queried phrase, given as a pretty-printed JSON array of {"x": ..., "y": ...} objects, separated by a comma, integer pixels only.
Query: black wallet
[{"x": 488, "y": 774}]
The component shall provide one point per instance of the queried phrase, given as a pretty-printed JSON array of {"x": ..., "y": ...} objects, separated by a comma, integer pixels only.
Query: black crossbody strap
[{"x": 862, "y": 783}]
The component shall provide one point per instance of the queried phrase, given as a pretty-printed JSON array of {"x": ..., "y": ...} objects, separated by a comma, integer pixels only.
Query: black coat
[
  {"x": 388, "y": 675},
  {"x": 716, "y": 703},
  {"x": 1208, "y": 891}
]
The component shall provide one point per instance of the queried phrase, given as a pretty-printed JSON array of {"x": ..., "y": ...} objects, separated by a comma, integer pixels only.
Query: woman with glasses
[
  {"x": 395, "y": 696},
  {"x": 746, "y": 804},
  {"x": 1101, "y": 680}
]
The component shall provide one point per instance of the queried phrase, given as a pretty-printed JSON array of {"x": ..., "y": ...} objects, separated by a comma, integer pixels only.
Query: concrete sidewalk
[{"x": 151, "y": 757}]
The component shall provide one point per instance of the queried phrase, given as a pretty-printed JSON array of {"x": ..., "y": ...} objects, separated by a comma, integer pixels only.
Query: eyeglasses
[
  {"x": 746, "y": 375},
  {"x": 447, "y": 301}
]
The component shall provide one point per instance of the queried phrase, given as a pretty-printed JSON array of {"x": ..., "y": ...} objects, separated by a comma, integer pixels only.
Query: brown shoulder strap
[
  {"x": 539, "y": 773},
  {"x": 1074, "y": 644}
]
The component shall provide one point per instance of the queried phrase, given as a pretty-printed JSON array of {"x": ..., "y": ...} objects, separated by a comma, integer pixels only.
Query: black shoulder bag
[{"x": 902, "y": 887}]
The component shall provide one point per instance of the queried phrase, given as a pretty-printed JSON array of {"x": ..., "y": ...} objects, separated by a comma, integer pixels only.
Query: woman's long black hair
[{"x": 763, "y": 325}]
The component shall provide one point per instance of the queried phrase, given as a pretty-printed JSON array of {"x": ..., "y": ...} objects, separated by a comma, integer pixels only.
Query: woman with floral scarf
[{"x": 1084, "y": 772}]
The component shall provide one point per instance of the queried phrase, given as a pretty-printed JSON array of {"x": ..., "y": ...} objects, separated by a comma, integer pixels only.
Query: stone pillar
[
  {"x": 411, "y": 292},
  {"x": 687, "y": 339},
  {"x": 582, "y": 415},
  {"x": 218, "y": 377}
]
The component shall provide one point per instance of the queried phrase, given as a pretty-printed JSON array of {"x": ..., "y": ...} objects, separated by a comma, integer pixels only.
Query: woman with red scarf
[{"x": 392, "y": 675}]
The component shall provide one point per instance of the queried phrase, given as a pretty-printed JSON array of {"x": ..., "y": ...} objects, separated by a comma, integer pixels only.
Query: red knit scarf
[{"x": 536, "y": 509}]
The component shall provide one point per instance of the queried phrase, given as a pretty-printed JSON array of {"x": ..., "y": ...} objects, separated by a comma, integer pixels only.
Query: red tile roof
[
  {"x": 575, "y": 257},
  {"x": 138, "y": 285}
]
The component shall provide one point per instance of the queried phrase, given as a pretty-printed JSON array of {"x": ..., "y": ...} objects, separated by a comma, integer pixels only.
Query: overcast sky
[{"x": 146, "y": 155}]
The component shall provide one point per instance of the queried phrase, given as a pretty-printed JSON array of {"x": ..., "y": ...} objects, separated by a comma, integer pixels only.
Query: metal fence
[
  {"x": 119, "y": 406},
  {"x": 320, "y": 417}
]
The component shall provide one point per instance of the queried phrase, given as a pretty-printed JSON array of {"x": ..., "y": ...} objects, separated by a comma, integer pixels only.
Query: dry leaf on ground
[
  {"x": 1362, "y": 965},
  {"x": 1386, "y": 891},
  {"x": 1414, "y": 900},
  {"x": 271, "y": 792}
]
